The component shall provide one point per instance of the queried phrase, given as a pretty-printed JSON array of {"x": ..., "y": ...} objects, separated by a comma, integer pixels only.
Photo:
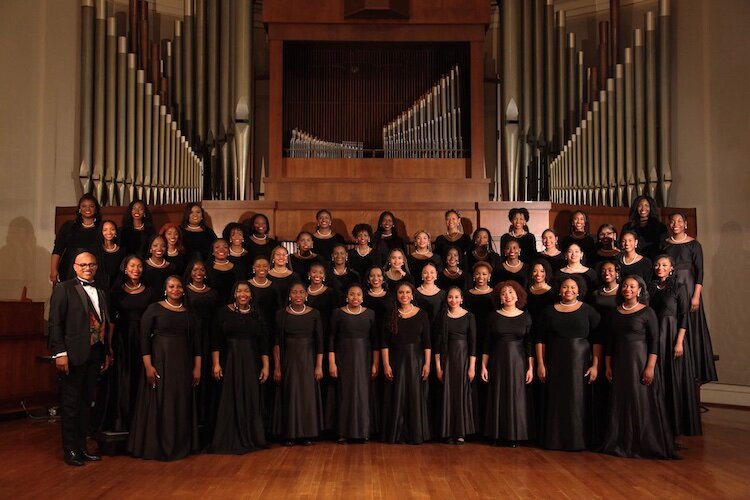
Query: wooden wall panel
[{"x": 376, "y": 168}]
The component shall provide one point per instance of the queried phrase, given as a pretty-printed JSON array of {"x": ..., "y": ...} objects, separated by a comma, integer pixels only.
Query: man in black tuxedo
[{"x": 77, "y": 323}]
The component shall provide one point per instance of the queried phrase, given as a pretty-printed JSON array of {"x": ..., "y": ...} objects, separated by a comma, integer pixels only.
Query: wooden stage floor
[{"x": 716, "y": 465}]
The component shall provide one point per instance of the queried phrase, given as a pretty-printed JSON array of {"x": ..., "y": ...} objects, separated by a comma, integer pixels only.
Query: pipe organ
[
  {"x": 595, "y": 135},
  {"x": 166, "y": 121}
]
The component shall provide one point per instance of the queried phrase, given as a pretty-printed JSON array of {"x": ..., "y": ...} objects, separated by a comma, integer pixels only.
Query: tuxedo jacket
[{"x": 69, "y": 320}]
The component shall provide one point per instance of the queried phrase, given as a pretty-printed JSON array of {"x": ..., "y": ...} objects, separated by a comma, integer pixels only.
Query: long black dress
[
  {"x": 405, "y": 416},
  {"x": 178, "y": 261},
  {"x": 382, "y": 247},
  {"x": 643, "y": 268},
  {"x": 198, "y": 243},
  {"x": 127, "y": 373},
  {"x": 165, "y": 424},
  {"x": 342, "y": 282},
  {"x": 650, "y": 236},
  {"x": 672, "y": 307},
  {"x": 520, "y": 276},
  {"x": 481, "y": 306},
  {"x": 492, "y": 258},
  {"x": 416, "y": 265},
  {"x": 445, "y": 281},
  {"x": 71, "y": 237},
  {"x": 325, "y": 303},
  {"x": 268, "y": 302},
  {"x": 605, "y": 305},
  {"x": 527, "y": 244},
  {"x": 391, "y": 285},
  {"x": 282, "y": 285},
  {"x": 556, "y": 262},
  {"x": 638, "y": 425},
  {"x": 353, "y": 339},
  {"x": 510, "y": 414},
  {"x": 567, "y": 338},
  {"x": 361, "y": 263},
  {"x": 222, "y": 280},
  {"x": 241, "y": 340},
  {"x": 688, "y": 265},
  {"x": 301, "y": 265},
  {"x": 256, "y": 249},
  {"x": 432, "y": 304},
  {"x": 109, "y": 266},
  {"x": 324, "y": 246},
  {"x": 381, "y": 307},
  {"x": 204, "y": 305},
  {"x": 135, "y": 240},
  {"x": 298, "y": 411},
  {"x": 536, "y": 304},
  {"x": 463, "y": 243},
  {"x": 154, "y": 277},
  {"x": 456, "y": 342}
]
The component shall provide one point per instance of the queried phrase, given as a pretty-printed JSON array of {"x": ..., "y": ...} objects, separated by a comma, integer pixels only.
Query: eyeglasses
[{"x": 85, "y": 265}]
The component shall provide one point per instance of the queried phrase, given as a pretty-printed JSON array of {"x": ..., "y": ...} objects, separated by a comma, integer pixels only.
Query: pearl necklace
[
  {"x": 136, "y": 287},
  {"x": 376, "y": 294},
  {"x": 221, "y": 262},
  {"x": 237, "y": 254},
  {"x": 173, "y": 307},
  {"x": 314, "y": 292},
  {"x": 626, "y": 308},
  {"x": 610, "y": 290},
  {"x": 260, "y": 285},
  {"x": 513, "y": 266},
  {"x": 685, "y": 237},
  {"x": 139, "y": 228},
  {"x": 482, "y": 289},
  {"x": 262, "y": 237},
  {"x": 350, "y": 311},
  {"x": 452, "y": 274},
  {"x": 88, "y": 226},
  {"x": 569, "y": 305},
  {"x": 403, "y": 313},
  {"x": 427, "y": 252},
  {"x": 338, "y": 273},
  {"x": 631, "y": 262},
  {"x": 164, "y": 263},
  {"x": 243, "y": 311},
  {"x": 113, "y": 250},
  {"x": 324, "y": 235},
  {"x": 363, "y": 254},
  {"x": 173, "y": 253},
  {"x": 194, "y": 227},
  {"x": 192, "y": 286},
  {"x": 298, "y": 313},
  {"x": 543, "y": 286},
  {"x": 455, "y": 316}
]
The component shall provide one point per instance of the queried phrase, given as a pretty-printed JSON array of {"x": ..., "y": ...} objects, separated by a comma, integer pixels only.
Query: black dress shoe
[
  {"x": 73, "y": 458},
  {"x": 305, "y": 442},
  {"x": 288, "y": 442},
  {"x": 89, "y": 457}
]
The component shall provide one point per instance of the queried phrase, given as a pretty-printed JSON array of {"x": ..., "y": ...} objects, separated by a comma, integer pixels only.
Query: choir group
[{"x": 226, "y": 344}]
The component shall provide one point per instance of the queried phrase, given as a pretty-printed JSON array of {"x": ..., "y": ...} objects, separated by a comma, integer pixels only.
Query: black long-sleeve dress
[
  {"x": 324, "y": 246},
  {"x": 405, "y": 416},
  {"x": 481, "y": 306},
  {"x": 361, "y": 263},
  {"x": 381, "y": 307},
  {"x": 282, "y": 286},
  {"x": 135, "y": 240},
  {"x": 638, "y": 425},
  {"x": 109, "y": 266},
  {"x": 567, "y": 339},
  {"x": 432, "y": 304},
  {"x": 154, "y": 278},
  {"x": 650, "y": 236},
  {"x": 416, "y": 265},
  {"x": 342, "y": 282},
  {"x": 301, "y": 265},
  {"x": 456, "y": 342},
  {"x": 127, "y": 373},
  {"x": 241, "y": 339},
  {"x": 556, "y": 262},
  {"x": 325, "y": 303},
  {"x": 463, "y": 243},
  {"x": 510, "y": 414},
  {"x": 520, "y": 276},
  {"x": 165, "y": 424},
  {"x": 536, "y": 304},
  {"x": 605, "y": 305},
  {"x": 72, "y": 236},
  {"x": 688, "y": 266},
  {"x": 446, "y": 281},
  {"x": 672, "y": 308},
  {"x": 204, "y": 305},
  {"x": 298, "y": 410},
  {"x": 391, "y": 285},
  {"x": 353, "y": 339},
  {"x": 198, "y": 243},
  {"x": 643, "y": 268},
  {"x": 222, "y": 280},
  {"x": 255, "y": 249},
  {"x": 527, "y": 244}
]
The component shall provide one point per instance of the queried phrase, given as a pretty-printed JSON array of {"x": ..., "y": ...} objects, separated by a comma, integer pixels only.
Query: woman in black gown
[
  {"x": 109, "y": 256},
  {"x": 630, "y": 261},
  {"x": 157, "y": 268},
  {"x": 455, "y": 349},
  {"x": 234, "y": 234},
  {"x": 427, "y": 295},
  {"x": 81, "y": 233},
  {"x": 638, "y": 426},
  {"x": 406, "y": 351},
  {"x": 669, "y": 299},
  {"x": 519, "y": 231},
  {"x": 165, "y": 426},
  {"x": 239, "y": 354},
  {"x": 197, "y": 236},
  {"x": 551, "y": 252},
  {"x": 281, "y": 274},
  {"x": 129, "y": 299},
  {"x": 175, "y": 249},
  {"x": 606, "y": 246},
  {"x": 579, "y": 233},
  {"x": 508, "y": 367},
  {"x": 574, "y": 267},
  {"x": 512, "y": 267},
  {"x": 298, "y": 369},
  {"x": 221, "y": 272},
  {"x": 259, "y": 242},
  {"x": 687, "y": 256},
  {"x": 482, "y": 250},
  {"x": 644, "y": 221},
  {"x": 137, "y": 228},
  {"x": 203, "y": 302},
  {"x": 454, "y": 237},
  {"x": 379, "y": 301},
  {"x": 453, "y": 274},
  {"x": 342, "y": 276},
  {"x": 324, "y": 237},
  {"x": 304, "y": 257},
  {"x": 421, "y": 255},
  {"x": 568, "y": 354},
  {"x": 396, "y": 270},
  {"x": 386, "y": 238},
  {"x": 362, "y": 257},
  {"x": 353, "y": 360}
]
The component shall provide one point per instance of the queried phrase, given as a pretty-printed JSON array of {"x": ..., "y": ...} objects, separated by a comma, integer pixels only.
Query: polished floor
[{"x": 716, "y": 465}]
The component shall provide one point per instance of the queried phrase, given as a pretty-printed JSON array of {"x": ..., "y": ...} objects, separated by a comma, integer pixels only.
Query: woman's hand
[
  {"x": 439, "y": 373},
  {"x": 374, "y": 371},
  {"x": 679, "y": 349},
  {"x": 151, "y": 376},
  {"x": 471, "y": 373},
  {"x": 529, "y": 375},
  {"x": 592, "y": 373},
  {"x": 318, "y": 374},
  {"x": 609, "y": 373},
  {"x": 333, "y": 370},
  {"x": 541, "y": 372},
  {"x": 695, "y": 303},
  {"x": 485, "y": 374},
  {"x": 217, "y": 373},
  {"x": 648, "y": 376},
  {"x": 263, "y": 375},
  {"x": 196, "y": 375},
  {"x": 54, "y": 277},
  {"x": 388, "y": 372},
  {"x": 425, "y": 371},
  {"x": 277, "y": 374}
]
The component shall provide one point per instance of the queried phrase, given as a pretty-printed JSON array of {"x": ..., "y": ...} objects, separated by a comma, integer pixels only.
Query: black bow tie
[{"x": 86, "y": 283}]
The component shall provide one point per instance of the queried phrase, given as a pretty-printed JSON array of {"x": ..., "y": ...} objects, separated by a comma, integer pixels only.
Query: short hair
[
  {"x": 516, "y": 286},
  {"x": 360, "y": 228},
  {"x": 514, "y": 211},
  {"x": 323, "y": 211},
  {"x": 479, "y": 264}
]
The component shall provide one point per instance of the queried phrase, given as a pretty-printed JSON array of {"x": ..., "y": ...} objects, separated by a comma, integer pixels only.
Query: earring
[
  {"x": 165, "y": 294},
  {"x": 671, "y": 273}
]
